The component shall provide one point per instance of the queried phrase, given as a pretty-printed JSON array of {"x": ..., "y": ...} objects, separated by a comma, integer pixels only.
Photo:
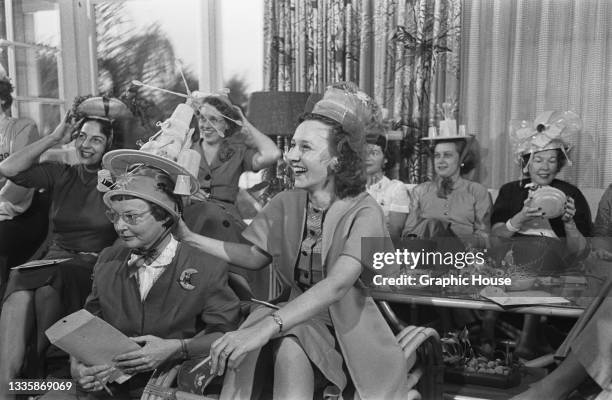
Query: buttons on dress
[
  {"x": 226, "y": 223},
  {"x": 207, "y": 177}
]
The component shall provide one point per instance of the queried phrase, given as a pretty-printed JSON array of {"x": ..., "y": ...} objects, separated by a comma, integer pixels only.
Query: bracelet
[
  {"x": 184, "y": 353},
  {"x": 278, "y": 320},
  {"x": 511, "y": 227}
]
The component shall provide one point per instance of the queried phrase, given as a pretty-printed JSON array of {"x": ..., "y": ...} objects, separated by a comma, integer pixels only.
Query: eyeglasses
[
  {"x": 211, "y": 120},
  {"x": 374, "y": 151},
  {"x": 128, "y": 218}
]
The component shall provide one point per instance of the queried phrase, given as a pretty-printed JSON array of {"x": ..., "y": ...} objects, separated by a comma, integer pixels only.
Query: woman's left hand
[
  {"x": 232, "y": 347},
  {"x": 154, "y": 352},
  {"x": 570, "y": 210}
]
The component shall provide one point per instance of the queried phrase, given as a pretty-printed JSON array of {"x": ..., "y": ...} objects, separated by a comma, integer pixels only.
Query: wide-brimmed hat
[
  {"x": 118, "y": 162},
  {"x": 344, "y": 103},
  {"x": 146, "y": 183},
  {"x": 550, "y": 130}
]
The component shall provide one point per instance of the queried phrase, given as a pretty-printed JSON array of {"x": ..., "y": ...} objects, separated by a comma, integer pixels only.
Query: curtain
[
  {"x": 522, "y": 57},
  {"x": 405, "y": 53}
]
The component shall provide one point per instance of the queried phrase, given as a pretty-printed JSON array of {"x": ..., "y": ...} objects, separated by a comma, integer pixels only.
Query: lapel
[{"x": 338, "y": 210}]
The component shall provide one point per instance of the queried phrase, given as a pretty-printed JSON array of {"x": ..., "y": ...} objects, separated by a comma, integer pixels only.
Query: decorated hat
[
  {"x": 147, "y": 183},
  {"x": 550, "y": 130},
  {"x": 344, "y": 103},
  {"x": 101, "y": 107}
]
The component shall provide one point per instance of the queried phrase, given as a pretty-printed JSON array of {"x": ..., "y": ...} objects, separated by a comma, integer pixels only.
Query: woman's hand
[
  {"x": 63, "y": 132},
  {"x": 154, "y": 352},
  {"x": 570, "y": 211},
  {"x": 231, "y": 348},
  {"x": 247, "y": 129},
  {"x": 90, "y": 379},
  {"x": 527, "y": 213}
]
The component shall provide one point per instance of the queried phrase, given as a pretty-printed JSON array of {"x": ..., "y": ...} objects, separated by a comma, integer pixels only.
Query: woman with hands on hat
[
  {"x": 541, "y": 243},
  {"x": 169, "y": 297},
  {"x": 36, "y": 297},
  {"x": 315, "y": 235},
  {"x": 228, "y": 145}
]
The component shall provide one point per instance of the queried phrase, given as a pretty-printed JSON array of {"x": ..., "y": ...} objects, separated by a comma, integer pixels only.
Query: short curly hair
[
  {"x": 561, "y": 161},
  {"x": 350, "y": 175},
  {"x": 469, "y": 161},
  {"x": 228, "y": 110},
  {"x": 388, "y": 154}
]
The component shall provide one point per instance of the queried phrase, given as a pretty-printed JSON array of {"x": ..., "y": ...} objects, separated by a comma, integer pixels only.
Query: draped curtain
[
  {"x": 405, "y": 53},
  {"x": 522, "y": 57}
]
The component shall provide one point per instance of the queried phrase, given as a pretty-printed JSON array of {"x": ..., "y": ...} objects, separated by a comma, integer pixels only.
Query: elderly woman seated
[
  {"x": 171, "y": 298},
  {"x": 451, "y": 205},
  {"x": 541, "y": 242}
]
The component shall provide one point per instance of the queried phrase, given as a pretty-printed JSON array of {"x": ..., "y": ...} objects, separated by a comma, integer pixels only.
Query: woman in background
[{"x": 391, "y": 194}]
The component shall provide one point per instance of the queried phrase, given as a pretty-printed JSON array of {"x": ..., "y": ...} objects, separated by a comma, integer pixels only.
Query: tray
[{"x": 460, "y": 376}]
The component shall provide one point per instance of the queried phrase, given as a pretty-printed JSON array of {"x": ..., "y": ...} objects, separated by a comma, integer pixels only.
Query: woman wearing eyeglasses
[
  {"x": 167, "y": 296},
  {"x": 228, "y": 145},
  {"x": 37, "y": 297}
]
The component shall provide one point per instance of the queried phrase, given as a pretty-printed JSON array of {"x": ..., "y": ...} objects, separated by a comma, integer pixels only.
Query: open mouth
[{"x": 298, "y": 170}]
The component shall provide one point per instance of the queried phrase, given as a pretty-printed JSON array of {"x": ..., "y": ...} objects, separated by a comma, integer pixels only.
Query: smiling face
[
  {"x": 310, "y": 155},
  {"x": 375, "y": 159},
  {"x": 446, "y": 160},
  {"x": 544, "y": 167},
  {"x": 143, "y": 230},
  {"x": 90, "y": 143},
  {"x": 211, "y": 122}
]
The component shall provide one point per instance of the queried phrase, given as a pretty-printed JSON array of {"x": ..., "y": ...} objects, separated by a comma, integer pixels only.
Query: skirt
[
  {"x": 314, "y": 336},
  {"x": 72, "y": 279}
]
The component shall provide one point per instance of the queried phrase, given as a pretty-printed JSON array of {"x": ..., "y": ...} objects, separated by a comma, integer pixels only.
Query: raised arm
[
  {"x": 239, "y": 254},
  {"x": 24, "y": 158},
  {"x": 267, "y": 152}
]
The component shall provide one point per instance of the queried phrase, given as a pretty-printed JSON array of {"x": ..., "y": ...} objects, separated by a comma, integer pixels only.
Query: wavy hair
[{"x": 350, "y": 176}]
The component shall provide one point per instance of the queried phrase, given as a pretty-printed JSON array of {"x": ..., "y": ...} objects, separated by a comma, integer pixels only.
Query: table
[{"x": 579, "y": 294}]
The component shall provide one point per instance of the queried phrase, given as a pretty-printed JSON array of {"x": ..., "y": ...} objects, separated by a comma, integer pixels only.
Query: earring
[{"x": 463, "y": 164}]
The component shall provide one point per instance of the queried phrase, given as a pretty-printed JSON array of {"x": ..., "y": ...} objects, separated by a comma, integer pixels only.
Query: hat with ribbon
[
  {"x": 147, "y": 183},
  {"x": 344, "y": 103},
  {"x": 550, "y": 130}
]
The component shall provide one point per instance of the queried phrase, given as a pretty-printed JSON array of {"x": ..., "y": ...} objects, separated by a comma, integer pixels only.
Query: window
[{"x": 30, "y": 52}]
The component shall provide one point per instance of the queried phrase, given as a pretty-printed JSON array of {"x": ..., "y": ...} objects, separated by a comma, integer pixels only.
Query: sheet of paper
[
  {"x": 522, "y": 298},
  {"x": 91, "y": 340},
  {"x": 41, "y": 263}
]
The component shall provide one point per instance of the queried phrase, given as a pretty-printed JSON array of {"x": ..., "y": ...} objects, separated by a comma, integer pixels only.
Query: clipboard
[{"x": 41, "y": 263}]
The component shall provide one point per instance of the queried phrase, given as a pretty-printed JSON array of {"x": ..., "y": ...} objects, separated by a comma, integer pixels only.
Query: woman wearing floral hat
[
  {"x": 542, "y": 151},
  {"x": 314, "y": 233},
  {"x": 36, "y": 297}
]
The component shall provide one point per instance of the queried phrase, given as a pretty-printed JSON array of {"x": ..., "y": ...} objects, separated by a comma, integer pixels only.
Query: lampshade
[{"x": 277, "y": 113}]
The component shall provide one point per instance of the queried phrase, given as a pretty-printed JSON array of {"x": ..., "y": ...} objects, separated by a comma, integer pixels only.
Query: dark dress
[
  {"x": 213, "y": 211},
  {"x": 550, "y": 253},
  {"x": 80, "y": 231}
]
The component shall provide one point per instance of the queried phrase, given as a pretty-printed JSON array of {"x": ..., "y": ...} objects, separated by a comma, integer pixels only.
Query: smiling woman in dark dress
[{"x": 35, "y": 298}]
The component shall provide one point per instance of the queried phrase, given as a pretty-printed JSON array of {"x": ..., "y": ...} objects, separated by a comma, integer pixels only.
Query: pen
[
  {"x": 198, "y": 365},
  {"x": 105, "y": 387},
  {"x": 265, "y": 303}
]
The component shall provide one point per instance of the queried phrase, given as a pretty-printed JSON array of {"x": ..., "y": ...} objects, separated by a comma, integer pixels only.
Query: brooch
[{"x": 185, "y": 279}]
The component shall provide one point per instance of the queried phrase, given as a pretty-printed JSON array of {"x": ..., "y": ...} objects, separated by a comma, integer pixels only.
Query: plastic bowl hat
[
  {"x": 550, "y": 130},
  {"x": 146, "y": 183},
  {"x": 101, "y": 108},
  {"x": 344, "y": 103}
]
